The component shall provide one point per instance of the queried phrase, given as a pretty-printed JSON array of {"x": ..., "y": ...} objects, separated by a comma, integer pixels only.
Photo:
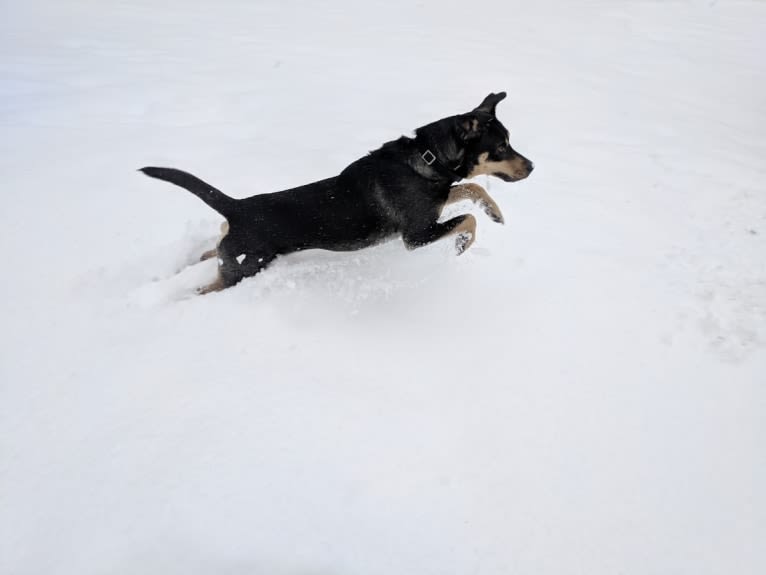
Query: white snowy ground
[{"x": 582, "y": 392}]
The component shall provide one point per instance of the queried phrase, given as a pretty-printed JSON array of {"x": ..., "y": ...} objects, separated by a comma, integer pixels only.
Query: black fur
[{"x": 391, "y": 191}]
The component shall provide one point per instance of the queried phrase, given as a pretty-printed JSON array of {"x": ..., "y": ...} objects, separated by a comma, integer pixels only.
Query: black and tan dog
[{"x": 397, "y": 190}]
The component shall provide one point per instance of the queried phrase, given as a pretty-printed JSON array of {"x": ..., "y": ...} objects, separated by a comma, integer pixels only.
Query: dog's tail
[{"x": 213, "y": 197}]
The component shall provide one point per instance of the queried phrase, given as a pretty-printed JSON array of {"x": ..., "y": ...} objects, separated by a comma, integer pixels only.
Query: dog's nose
[{"x": 529, "y": 165}]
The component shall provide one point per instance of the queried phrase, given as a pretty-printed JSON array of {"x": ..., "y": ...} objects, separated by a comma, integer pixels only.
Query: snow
[{"x": 582, "y": 391}]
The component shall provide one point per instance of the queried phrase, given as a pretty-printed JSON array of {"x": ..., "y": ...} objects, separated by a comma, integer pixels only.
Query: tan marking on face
[{"x": 513, "y": 168}]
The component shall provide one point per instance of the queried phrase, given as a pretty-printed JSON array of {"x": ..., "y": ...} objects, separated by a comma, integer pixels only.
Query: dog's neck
[{"x": 432, "y": 162}]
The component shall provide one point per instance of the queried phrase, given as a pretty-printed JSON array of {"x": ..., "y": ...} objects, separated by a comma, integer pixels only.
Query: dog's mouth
[
  {"x": 507, "y": 178},
  {"x": 518, "y": 169}
]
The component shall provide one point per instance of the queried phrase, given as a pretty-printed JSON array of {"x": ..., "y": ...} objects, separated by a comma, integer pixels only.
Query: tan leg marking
[
  {"x": 477, "y": 195},
  {"x": 214, "y": 252},
  {"x": 465, "y": 232},
  {"x": 208, "y": 254},
  {"x": 217, "y": 285}
]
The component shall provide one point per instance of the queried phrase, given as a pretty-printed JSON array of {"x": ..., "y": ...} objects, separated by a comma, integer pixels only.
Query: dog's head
[
  {"x": 478, "y": 143},
  {"x": 486, "y": 144}
]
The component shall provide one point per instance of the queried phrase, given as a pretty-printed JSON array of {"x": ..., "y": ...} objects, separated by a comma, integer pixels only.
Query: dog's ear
[
  {"x": 470, "y": 126},
  {"x": 490, "y": 103}
]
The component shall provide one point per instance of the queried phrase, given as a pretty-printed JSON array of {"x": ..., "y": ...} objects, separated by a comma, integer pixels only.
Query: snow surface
[{"x": 581, "y": 392}]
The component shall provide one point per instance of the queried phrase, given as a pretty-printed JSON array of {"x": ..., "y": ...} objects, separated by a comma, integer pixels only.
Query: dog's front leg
[
  {"x": 476, "y": 194},
  {"x": 464, "y": 227}
]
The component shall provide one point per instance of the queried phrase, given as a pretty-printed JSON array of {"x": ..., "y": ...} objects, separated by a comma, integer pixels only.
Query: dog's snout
[{"x": 529, "y": 165}]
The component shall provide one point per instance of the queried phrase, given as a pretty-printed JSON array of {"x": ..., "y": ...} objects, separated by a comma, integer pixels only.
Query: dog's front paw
[
  {"x": 463, "y": 241},
  {"x": 493, "y": 211}
]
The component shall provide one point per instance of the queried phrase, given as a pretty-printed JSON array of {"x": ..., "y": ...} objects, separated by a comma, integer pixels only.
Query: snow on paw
[
  {"x": 463, "y": 241},
  {"x": 465, "y": 233}
]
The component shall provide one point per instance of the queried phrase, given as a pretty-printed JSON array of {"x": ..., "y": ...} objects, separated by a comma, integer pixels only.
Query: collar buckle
[{"x": 428, "y": 157}]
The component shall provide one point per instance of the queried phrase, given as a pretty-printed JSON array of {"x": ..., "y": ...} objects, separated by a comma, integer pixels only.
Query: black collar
[{"x": 432, "y": 161}]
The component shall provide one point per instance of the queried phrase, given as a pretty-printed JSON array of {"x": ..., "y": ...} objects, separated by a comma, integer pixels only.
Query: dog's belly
[
  {"x": 352, "y": 243},
  {"x": 338, "y": 231}
]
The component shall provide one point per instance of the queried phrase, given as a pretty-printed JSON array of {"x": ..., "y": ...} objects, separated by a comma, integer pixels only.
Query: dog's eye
[{"x": 501, "y": 148}]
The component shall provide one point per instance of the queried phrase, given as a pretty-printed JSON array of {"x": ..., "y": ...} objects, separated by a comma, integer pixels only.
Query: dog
[{"x": 399, "y": 189}]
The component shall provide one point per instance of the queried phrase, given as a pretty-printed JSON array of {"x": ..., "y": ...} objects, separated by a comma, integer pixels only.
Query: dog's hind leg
[
  {"x": 477, "y": 195},
  {"x": 229, "y": 274},
  {"x": 234, "y": 268},
  {"x": 217, "y": 285},
  {"x": 208, "y": 254},
  {"x": 214, "y": 252},
  {"x": 228, "y": 277},
  {"x": 464, "y": 227}
]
